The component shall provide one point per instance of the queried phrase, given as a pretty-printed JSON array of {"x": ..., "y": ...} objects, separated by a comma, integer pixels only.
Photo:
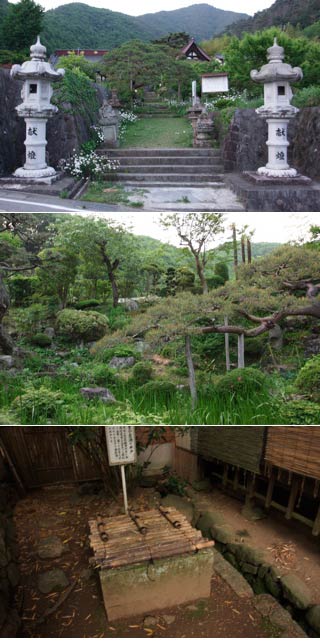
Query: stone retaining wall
[
  {"x": 9, "y": 571},
  {"x": 264, "y": 578},
  {"x": 244, "y": 147}
]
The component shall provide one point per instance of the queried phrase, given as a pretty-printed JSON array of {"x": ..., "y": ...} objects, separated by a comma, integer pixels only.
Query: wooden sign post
[{"x": 121, "y": 445}]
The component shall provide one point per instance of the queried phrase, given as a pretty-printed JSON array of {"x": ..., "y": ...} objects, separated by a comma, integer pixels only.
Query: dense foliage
[
  {"x": 75, "y": 281},
  {"x": 22, "y": 22}
]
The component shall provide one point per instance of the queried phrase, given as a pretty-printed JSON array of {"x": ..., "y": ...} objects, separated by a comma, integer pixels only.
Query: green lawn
[{"x": 158, "y": 133}]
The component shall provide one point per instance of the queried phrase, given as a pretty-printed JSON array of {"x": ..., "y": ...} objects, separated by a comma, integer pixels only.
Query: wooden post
[
  {"x": 316, "y": 525},
  {"x": 225, "y": 475},
  {"x": 241, "y": 351},
  {"x": 250, "y": 489},
  {"x": 236, "y": 479},
  {"x": 292, "y": 498},
  {"x": 227, "y": 344},
  {"x": 270, "y": 489}
]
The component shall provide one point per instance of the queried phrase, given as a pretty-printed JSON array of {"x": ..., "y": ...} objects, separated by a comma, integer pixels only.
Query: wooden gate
[{"x": 44, "y": 456}]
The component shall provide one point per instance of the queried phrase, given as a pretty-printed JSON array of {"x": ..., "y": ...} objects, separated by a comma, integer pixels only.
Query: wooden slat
[
  {"x": 126, "y": 545},
  {"x": 296, "y": 449},
  {"x": 240, "y": 446}
]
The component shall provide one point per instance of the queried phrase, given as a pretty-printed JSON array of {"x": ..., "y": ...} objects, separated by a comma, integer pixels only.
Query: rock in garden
[
  {"x": 98, "y": 392},
  {"x": 51, "y": 548},
  {"x": 53, "y": 580},
  {"x": 7, "y": 362},
  {"x": 122, "y": 363},
  {"x": 129, "y": 305},
  {"x": 296, "y": 591},
  {"x": 150, "y": 621},
  {"x": 50, "y": 332},
  {"x": 168, "y": 619},
  {"x": 313, "y": 618}
]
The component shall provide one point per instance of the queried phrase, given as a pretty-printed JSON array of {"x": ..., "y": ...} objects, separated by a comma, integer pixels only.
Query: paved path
[
  {"x": 18, "y": 201},
  {"x": 184, "y": 199}
]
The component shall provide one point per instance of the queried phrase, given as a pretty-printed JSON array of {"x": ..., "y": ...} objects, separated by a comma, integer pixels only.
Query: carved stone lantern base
[{"x": 47, "y": 175}]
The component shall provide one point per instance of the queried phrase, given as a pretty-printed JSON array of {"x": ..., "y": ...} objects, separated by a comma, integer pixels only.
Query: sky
[
  {"x": 150, "y": 6},
  {"x": 267, "y": 227}
]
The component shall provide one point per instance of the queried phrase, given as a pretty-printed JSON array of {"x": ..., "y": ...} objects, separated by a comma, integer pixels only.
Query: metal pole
[{"x": 124, "y": 488}]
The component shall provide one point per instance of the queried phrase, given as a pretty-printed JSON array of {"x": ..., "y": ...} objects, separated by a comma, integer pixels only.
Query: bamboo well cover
[
  {"x": 117, "y": 541},
  {"x": 296, "y": 449}
]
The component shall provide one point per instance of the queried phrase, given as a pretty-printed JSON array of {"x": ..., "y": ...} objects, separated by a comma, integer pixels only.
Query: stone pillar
[
  {"x": 276, "y": 77},
  {"x": 37, "y": 76}
]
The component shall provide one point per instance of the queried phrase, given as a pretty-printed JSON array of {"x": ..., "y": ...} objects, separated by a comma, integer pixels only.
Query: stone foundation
[{"x": 137, "y": 589}]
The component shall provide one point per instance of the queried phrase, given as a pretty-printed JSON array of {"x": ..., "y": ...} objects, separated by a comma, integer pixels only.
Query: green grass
[
  {"x": 112, "y": 193},
  {"x": 158, "y": 133}
]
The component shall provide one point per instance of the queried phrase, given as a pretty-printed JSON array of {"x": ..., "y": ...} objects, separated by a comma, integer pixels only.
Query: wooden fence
[
  {"x": 240, "y": 446},
  {"x": 44, "y": 455}
]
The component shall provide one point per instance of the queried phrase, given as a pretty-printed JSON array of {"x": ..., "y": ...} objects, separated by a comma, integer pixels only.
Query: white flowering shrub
[
  {"x": 126, "y": 118},
  {"x": 90, "y": 165},
  {"x": 97, "y": 134}
]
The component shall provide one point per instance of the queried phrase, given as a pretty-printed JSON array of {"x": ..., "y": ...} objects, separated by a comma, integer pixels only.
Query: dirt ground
[
  {"x": 62, "y": 512},
  {"x": 287, "y": 544}
]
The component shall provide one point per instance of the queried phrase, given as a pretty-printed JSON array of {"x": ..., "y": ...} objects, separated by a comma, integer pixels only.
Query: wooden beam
[
  {"x": 270, "y": 489},
  {"x": 225, "y": 474},
  {"x": 316, "y": 525},
  {"x": 292, "y": 497}
]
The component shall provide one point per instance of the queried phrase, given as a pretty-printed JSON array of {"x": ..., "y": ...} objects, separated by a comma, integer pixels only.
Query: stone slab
[
  {"x": 282, "y": 197},
  {"x": 233, "y": 578},
  {"x": 68, "y": 185},
  {"x": 142, "y": 588}
]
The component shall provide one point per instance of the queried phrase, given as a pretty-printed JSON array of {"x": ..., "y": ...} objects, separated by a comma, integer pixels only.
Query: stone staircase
[
  {"x": 167, "y": 167},
  {"x": 155, "y": 106}
]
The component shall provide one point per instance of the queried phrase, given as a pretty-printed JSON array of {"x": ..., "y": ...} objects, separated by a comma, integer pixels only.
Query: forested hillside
[
  {"x": 77, "y": 25},
  {"x": 280, "y": 14}
]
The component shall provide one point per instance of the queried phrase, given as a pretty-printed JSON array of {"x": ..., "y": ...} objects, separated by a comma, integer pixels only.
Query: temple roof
[{"x": 193, "y": 51}]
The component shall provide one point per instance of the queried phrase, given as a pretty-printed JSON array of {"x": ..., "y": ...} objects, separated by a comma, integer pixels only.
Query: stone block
[
  {"x": 233, "y": 578},
  {"x": 313, "y": 618},
  {"x": 146, "y": 587},
  {"x": 248, "y": 554},
  {"x": 207, "y": 521},
  {"x": 296, "y": 591},
  {"x": 53, "y": 580},
  {"x": 249, "y": 568},
  {"x": 223, "y": 534}
]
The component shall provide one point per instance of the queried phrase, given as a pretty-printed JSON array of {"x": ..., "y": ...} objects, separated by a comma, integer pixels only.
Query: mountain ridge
[
  {"x": 279, "y": 14},
  {"x": 77, "y": 25}
]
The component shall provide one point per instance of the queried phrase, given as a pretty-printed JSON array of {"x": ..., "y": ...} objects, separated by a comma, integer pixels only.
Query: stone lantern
[
  {"x": 37, "y": 76},
  {"x": 276, "y": 77}
]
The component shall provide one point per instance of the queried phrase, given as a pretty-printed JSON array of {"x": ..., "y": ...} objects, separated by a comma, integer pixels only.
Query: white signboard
[
  {"x": 211, "y": 84},
  {"x": 121, "y": 444}
]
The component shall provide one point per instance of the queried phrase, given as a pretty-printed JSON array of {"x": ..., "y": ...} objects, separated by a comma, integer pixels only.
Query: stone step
[
  {"x": 139, "y": 177},
  {"x": 182, "y": 162},
  {"x": 173, "y": 184},
  {"x": 170, "y": 169},
  {"x": 152, "y": 115},
  {"x": 161, "y": 152}
]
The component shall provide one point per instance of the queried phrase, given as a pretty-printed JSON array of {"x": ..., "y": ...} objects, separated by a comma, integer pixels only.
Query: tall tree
[
  {"x": 196, "y": 231},
  {"x": 22, "y": 24}
]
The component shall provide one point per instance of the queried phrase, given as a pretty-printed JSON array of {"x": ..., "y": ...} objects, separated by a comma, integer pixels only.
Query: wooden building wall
[{"x": 296, "y": 449}]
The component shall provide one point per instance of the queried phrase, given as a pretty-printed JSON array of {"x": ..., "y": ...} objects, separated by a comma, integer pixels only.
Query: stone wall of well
[
  {"x": 244, "y": 146},
  {"x": 9, "y": 571},
  {"x": 65, "y": 131}
]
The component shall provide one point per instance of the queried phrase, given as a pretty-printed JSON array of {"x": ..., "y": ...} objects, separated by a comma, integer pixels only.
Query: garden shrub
[
  {"x": 86, "y": 304},
  {"x": 241, "y": 382},
  {"x": 308, "y": 379},
  {"x": 301, "y": 412},
  {"x": 142, "y": 373},
  {"x": 158, "y": 388},
  {"x": 307, "y": 97},
  {"x": 81, "y": 325},
  {"x": 255, "y": 346},
  {"x": 120, "y": 351},
  {"x": 101, "y": 375},
  {"x": 38, "y": 402},
  {"x": 215, "y": 281},
  {"x": 32, "y": 319},
  {"x": 41, "y": 340}
]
